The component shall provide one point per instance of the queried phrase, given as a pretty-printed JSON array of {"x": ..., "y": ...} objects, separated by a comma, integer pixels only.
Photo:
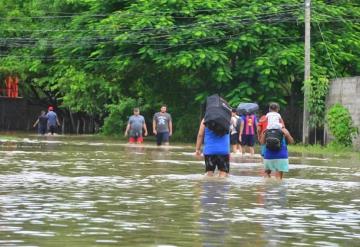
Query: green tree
[{"x": 93, "y": 56}]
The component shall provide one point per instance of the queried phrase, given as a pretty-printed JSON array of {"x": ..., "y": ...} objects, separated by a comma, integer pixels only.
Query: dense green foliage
[
  {"x": 99, "y": 57},
  {"x": 316, "y": 103},
  {"x": 340, "y": 124}
]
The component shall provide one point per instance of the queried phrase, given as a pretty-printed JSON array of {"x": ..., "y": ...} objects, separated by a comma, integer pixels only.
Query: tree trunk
[
  {"x": 63, "y": 127},
  {"x": 78, "y": 126},
  {"x": 72, "y": 121},
  {"x": 84, "y": 125},
  {"x": 91, "y": 125}
]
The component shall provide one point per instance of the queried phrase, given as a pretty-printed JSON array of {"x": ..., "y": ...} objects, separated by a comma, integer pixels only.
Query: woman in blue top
[
  {"x": 277, "y": 161},
  {"x": 216, "y": 150}
]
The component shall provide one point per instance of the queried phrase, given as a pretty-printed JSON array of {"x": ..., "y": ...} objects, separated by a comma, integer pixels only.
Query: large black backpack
[
  {"x": 273, "y": 139},
  {"x": 217, "y": 115}
]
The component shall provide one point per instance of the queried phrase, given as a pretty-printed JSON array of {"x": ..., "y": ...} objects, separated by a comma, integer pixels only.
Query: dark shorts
[
  {"x": 52, "y": 129},
  {"x": 234, "y": 139},
  {"x": 162, "y": 137},
  {"x": 248, "y": 140},
  {"x": 220, "y": 161},
  {"x": 42, "y": 130}
]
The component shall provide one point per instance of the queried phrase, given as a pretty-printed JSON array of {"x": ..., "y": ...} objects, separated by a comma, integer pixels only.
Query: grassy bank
[{"x": 329, "y": 150}]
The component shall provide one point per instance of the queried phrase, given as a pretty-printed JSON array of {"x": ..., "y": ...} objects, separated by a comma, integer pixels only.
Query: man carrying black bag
[{"x": 214, "y": 132}]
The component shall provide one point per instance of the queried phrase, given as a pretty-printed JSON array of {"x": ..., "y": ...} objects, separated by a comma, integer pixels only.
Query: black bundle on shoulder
[
  {"x": 217, "y": 115},
  {"x": 273, "y": 139}
]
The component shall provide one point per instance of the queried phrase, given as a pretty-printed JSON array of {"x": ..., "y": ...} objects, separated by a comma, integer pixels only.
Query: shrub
[
  {"x": 186, "y": 126},
  {"x": 340, "y": 124},
  {"x": 115, "y": 123}
]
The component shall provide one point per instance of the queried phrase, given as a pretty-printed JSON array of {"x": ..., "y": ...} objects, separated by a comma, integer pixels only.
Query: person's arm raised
[{"x": 37, "y": 121}]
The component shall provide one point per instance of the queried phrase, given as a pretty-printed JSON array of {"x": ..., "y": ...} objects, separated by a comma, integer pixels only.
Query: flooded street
[{"x": 89, "y": 191}]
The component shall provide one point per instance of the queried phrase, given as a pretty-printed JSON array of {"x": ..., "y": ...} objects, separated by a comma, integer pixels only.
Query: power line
[
  {"x": 327, "y": 50},
  {"x": 107, "y": 39},
  {"x": 329, "y": 20},
  {"x": 155, "y": 13},
  {"x": 213, "y": 27},
  {"x": 136, "y": 38},
  {"x": 88, "y": 41},
  {"x": 138, "y": 53},
  {"x": 152, "y": 13},
  {"x": 58, "y": 43},
  {"x": 262, "y": 16}
]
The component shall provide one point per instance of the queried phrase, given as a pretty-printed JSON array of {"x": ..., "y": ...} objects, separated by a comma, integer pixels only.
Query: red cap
[{"x": 50, "y": 108}]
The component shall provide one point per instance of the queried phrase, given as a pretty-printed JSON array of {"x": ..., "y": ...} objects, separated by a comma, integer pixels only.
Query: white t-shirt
[
  {"x": 274, "y": 120},
  {"x": 234, "y": 120}
]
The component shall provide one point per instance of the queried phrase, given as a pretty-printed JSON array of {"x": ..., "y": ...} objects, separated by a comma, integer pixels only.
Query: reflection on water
[
  {"x": 273, "y": 197},
  {"x": 214, "y": 210},
  {"x": 82, "y": 191}
]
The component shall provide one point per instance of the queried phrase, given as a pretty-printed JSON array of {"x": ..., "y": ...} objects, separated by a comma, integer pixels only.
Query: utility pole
[{"x": 305, "y": 134}]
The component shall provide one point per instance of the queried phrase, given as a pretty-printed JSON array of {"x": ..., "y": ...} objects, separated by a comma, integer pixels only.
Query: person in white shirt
[
  {"x": 274, "y": 120},
  {"x": 235, "y": 127}
]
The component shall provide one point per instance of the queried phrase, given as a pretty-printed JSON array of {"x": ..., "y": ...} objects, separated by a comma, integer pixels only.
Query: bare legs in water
[
  {"x": 221, "y": 174},
  {"x": 278, "y": 175}
]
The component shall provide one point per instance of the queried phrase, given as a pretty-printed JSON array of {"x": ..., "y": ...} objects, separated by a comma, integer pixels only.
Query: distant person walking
[
  {"x": 235, "y": 128},
  {"x": 41, "y": 122},
  {"x": 53, "y": 120},
  {"x": 135, "y": 127},
  {"x": 162, "y": 126},
  {"x": 248, "y": 133}
]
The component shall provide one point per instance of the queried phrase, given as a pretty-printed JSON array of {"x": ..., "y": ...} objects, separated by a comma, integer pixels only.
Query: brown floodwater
[{"x": 92, "y": 191}]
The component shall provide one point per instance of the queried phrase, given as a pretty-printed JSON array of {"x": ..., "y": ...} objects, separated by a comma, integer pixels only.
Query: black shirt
[{"x": 43, "y": 121}]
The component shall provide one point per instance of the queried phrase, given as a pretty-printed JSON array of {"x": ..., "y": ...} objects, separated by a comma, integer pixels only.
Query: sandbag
[
  {"x": 273, "y": 139},
  {"x": 217, "y": 115},
  {"x": 247, "y": 108}
]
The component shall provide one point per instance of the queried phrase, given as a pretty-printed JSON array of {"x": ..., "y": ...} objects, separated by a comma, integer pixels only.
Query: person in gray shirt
[
  {"x": 53, "y": 120},
  {"x": 162, "y": 126},
  {"x": 135, "y": 127}
]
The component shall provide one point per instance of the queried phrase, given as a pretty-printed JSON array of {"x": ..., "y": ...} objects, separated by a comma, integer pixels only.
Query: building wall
[{"x": 346, "y": 91}]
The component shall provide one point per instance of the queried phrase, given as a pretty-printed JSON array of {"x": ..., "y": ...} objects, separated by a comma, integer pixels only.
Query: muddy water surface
[{"x": 89, "y": 191}]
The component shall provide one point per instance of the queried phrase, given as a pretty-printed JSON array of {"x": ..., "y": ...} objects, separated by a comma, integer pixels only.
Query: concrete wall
[{"x": 346, "y": 91}]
